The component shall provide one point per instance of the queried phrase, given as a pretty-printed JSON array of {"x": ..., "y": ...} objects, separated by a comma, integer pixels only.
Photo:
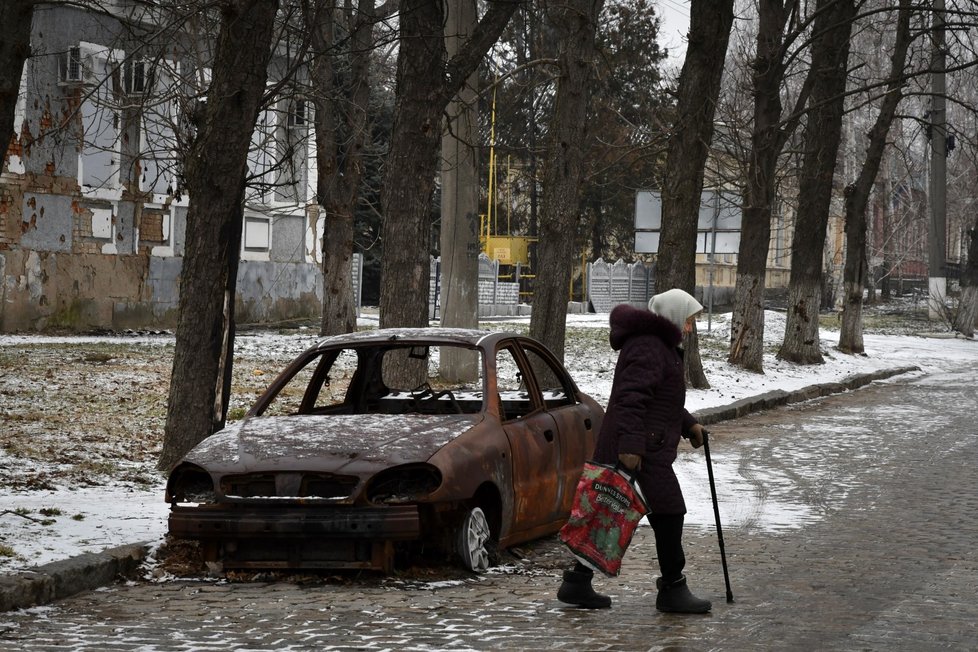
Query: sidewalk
[{"x": 86, "y": 572}]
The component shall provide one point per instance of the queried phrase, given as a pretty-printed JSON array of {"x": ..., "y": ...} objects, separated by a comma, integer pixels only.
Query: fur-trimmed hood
[{"x": 627, "y": 321}]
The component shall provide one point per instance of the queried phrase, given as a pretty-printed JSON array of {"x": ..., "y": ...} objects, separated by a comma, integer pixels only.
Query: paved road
[{"x": 850, "y": 523}]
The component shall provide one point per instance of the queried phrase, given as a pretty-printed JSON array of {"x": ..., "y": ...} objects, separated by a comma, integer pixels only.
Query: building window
[
  {"x": 297, "y": 114},
  {"x": 71, "y": 68},
  {"x": 137, "y": 77},
  {"x": 151, "y": 228},
  {"x": 257, "y": 234}
]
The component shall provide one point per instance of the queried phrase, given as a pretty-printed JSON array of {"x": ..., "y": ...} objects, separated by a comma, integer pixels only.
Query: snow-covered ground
[{"x": 47, "y": 524}]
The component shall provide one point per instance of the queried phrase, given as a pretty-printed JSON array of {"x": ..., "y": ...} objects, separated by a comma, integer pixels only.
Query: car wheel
[{"x": 472, "y": 540}]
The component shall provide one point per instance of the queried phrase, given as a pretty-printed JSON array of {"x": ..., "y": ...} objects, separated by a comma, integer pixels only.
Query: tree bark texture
[
  {"x": 215, "y": 172},
  {"x": 460, "y": 204},
  {"x": 830, "y": 53},
  {"x": 857, "y": 195},
  {"x": 15, "y": 47},
  {"x": 341, "y": 135},
  {"x": 699, "y": 88},
  {"x": 967, "y": 316},
  {"x": 410, "y": 175},
  {"x": 767, "y": 141},
  {"x": 574, "y": 23},
  {"x": 426, "y": 82}
]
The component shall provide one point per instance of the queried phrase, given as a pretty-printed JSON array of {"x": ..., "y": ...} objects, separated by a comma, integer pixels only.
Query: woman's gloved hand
[
  {"x": 630, "y": 461},
  {"x": 697, "y": 434}
]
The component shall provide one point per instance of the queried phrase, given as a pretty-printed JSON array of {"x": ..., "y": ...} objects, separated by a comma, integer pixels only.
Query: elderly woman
[{"x": 645, "y": 420}]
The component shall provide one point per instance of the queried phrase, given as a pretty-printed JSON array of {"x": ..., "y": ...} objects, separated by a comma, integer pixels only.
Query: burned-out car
[{"x": 391, "y": 441}]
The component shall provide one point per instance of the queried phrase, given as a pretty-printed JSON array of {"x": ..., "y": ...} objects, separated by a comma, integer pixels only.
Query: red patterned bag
[{"x": 607, "y": 508}]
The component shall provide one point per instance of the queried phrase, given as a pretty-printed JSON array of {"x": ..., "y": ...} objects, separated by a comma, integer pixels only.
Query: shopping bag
[{"x": 607, "y": 508}]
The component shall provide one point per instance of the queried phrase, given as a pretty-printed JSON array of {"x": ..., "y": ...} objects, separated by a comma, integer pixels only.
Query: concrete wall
[
  {"x": 273, "y": 292},
  {"x": 82, "y": 292}
]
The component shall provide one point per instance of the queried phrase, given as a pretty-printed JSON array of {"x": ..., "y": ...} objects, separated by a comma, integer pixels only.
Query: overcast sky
[{"x": 675, "y": 24}]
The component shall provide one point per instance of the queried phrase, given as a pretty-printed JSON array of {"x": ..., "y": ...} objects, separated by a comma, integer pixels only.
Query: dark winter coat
[{"x": 646, "y": 412}]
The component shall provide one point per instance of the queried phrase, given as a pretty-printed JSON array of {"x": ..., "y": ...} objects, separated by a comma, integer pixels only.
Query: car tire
[{"x": 472, "y": 541}]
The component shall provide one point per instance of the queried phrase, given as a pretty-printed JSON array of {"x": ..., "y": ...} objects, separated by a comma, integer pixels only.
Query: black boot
[
  {"x": 576, "y": 589},
  {"x": 675, "y": 597}
]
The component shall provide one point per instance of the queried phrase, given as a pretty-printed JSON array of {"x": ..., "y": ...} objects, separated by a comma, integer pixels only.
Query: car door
[
  {"x": 534, "y": 444},
  {"x": 575, "y": 428}
]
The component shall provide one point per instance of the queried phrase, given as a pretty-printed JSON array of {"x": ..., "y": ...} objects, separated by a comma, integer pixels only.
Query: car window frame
[
  {"x": 567, "y": 381},
  {"x": 328, "y": 357}
]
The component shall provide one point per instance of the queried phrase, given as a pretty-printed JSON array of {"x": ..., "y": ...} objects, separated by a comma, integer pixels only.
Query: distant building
[{"x": 92, "y": 209}]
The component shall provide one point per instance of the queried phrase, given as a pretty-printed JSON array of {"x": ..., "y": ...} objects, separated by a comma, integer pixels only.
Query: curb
[
  {"x": 61, "y": 579},
  {"x": 779, "y": 397}
]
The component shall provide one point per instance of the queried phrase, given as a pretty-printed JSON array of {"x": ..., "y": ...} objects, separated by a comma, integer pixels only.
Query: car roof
[{"x": 432, "y": 335}]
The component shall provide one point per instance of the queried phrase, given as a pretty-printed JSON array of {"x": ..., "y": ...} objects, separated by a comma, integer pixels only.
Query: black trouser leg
[
  {"x": 668, "y": 530},
  {"x": 581, "y": 568}
]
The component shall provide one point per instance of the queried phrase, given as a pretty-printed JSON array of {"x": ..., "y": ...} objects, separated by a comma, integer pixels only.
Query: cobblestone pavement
[{"x": 874, "y": 550}]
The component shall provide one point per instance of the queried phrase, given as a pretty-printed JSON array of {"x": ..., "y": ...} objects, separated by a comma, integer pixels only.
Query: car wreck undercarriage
[{"x": 329, "y": 537}]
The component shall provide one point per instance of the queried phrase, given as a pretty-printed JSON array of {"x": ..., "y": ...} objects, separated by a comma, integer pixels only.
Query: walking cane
[{"x": 716, "y": 513}]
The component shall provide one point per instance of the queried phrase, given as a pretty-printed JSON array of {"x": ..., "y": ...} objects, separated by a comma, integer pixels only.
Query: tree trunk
[
  {"x": 857, "y": 195},
  {"x": 598, "y": 226},
  {"x": 215, "y": 173},
  {"x": 410, "y": 176},
  {"x": 426, "y": 82},
  {"x": 699, "y": 88},
  {"x": 460, "y": 205},
  {"x": 877, "y": 208},
  {"x": 341, "y": 134},
  {"x": 574, "y": 23},
  {"x": 15, "y": 47},
  {"x": 967, "y": 317},
  {"x": 830, "y": 53},
  {"x": 767, "y": 139}
]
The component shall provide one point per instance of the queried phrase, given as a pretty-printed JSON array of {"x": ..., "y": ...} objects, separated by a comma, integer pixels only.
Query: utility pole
[
  {"x": 460, "y": 203},
  {"x": 937, "y": 238}
]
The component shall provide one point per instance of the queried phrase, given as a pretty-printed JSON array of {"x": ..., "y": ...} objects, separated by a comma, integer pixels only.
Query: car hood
[{"x": 349, "y": 443}]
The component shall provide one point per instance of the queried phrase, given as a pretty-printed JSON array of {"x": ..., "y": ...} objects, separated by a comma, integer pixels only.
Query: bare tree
[
  {"x": 967, "y": 315},
  {"x": 574, "y": 23},
  {"x": 857, "y": 194},
  {"x": 15, "y": 47},
  {"x": 426, "y": 82},
  {"x": 342, "y": 126},
  {"x": 829, "y": 60},
  {"x": 778, "y": 24},
  {"x": 699, "y": 88},
  {"x": 215, "y": 174}
]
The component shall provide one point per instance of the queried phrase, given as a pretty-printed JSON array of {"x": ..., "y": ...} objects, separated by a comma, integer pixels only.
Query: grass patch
[
  {"x": 98, "y": 357},
  {"x": 50, "y": 511},
  {"x": 7, "y": 551},
  {"x": 236, "y": 414},
  {"x": 95, "y": 467}
]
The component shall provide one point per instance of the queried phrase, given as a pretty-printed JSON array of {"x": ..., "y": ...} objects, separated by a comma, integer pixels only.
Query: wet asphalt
[{"x": 849, "y": 523}]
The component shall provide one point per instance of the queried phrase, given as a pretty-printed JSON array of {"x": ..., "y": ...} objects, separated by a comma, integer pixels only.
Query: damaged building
[{"x": 92, "y": 212}]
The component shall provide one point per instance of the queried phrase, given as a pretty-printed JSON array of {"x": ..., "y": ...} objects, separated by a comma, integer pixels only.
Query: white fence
[
  {"x": 610, "y": 284},
  {"x": 495, "y": 297}
]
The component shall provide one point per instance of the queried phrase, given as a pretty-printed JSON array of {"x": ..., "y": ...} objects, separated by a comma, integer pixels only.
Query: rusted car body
[{"x": 342, "y": 463}]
